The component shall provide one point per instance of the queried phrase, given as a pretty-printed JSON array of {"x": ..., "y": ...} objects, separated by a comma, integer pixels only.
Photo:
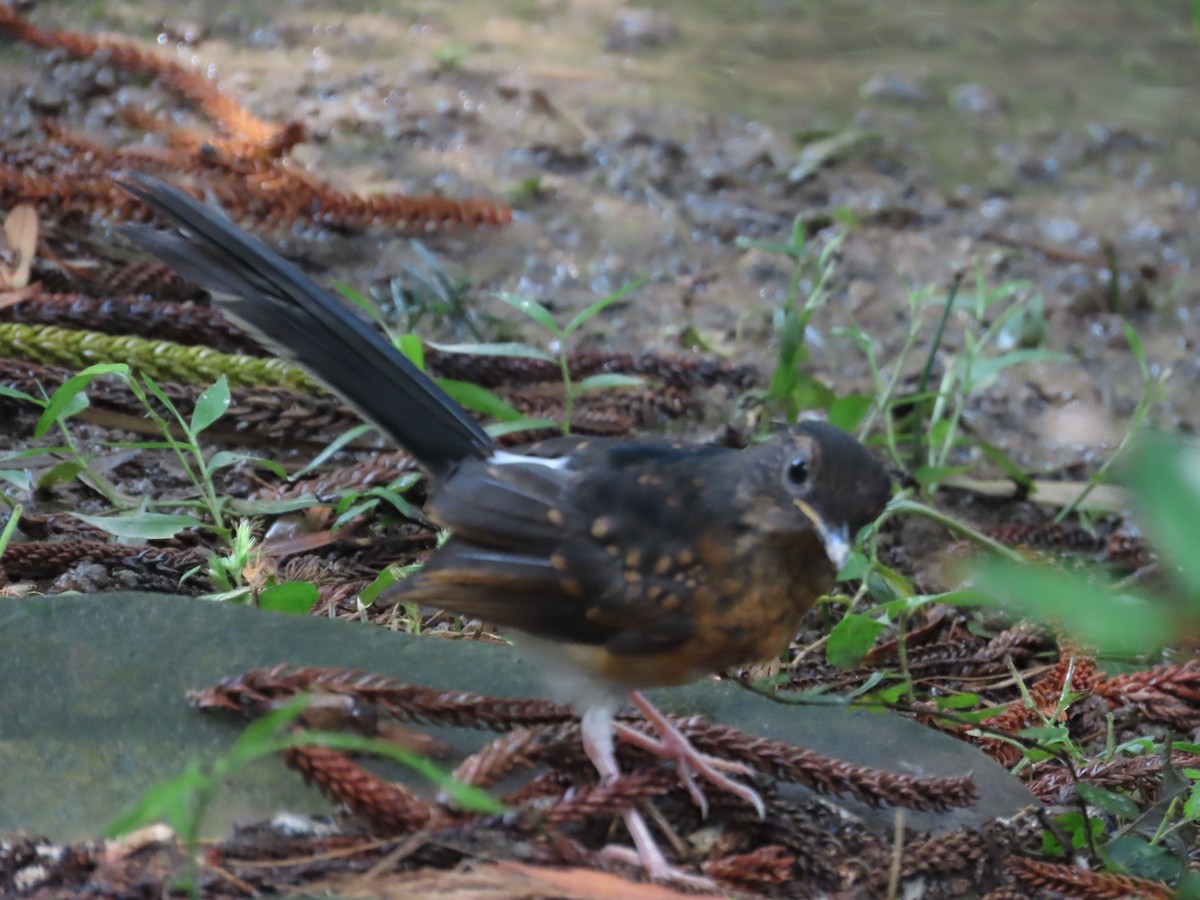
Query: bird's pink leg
[
  {"x": 597, "y": 730},
  {"x": 689, "y": 762}
]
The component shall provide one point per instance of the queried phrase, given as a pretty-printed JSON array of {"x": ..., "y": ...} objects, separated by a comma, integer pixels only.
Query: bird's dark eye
[{"x": 797, "y": 471}]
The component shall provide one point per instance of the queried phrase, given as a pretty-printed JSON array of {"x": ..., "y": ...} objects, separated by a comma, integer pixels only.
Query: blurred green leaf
[
  {"x": 957, "y": 701},
  {"x": 410, "y": 345},
  {"x": 224, "y": 458},
  {"x": 480, "y": 399},
  {"x": 210, "y": 405},
  {"x": 66, "y": 470},
  {"x": 241, "y": 507},
  {"x": 1002, "y": 461},
  {"x": 500, "y": 429},
  {"x": 1136, "y": 348},
  {"x": 1112, "y": 622},
  {"x": 985, "y": 370},
  {"x": 10, "y": 526},
  {"x": 346, "y": 437},
  {"x": 385, "y": 579},
  {"x": 1164, "y": 474},
  {"x": 600, "y": 305},
  {"x": 847, "y": 412},
  {"x": 1109, "y": 801},
  {"x": 509, "y": 349},
  {"x": 1076, "y": 827},
  {"x": 14, "y": 394},
  {"x": 170, "y": 801},
  {"x": 533, "y": 309},
  {"x": 851, "y": 639},
  {"x": 1133, "y": 855},
  {"x": 808, "y": 393},
  {"x": 67, "y": 400},
  {"x": 608, "y": 381},
  {"x": 17, "y": 478},
  {"x": 146, "y": 526},
  {"x": 290, "y": 597}
]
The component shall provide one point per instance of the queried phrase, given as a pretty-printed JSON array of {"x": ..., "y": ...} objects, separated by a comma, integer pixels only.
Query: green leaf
[
  {"x": 480, "y": 399},
  {"x": 1076, "y": 827},
  {"x": 533, "y": 309},
  {"x": 847, "y": 412},
  {"x": 169, "y": 801},
  {"x": 851, "y": 639},
  {"x": 153, "y": 388},
  {"x": 146, "y": 526},
  {"x": 985, "y": 371},
  {"x": 353, "y": 511},
  {"x": 957, "y": 701},
  {"x": 391, "y": 496},
  {"x": 500, "y": 429},
  {"x": 1165, "y": 476},
  {"x": 10, "y": 526},
  {"x": 811, "y": 393},
  {"x": 889, "y": 695},
  {"x": 509, "y": 349},
  {"x": 67, "y": 470},
  {"x": 887, "y": 583},
  {"x": 855, "y": 567},
  {"x": 385, "y": 579},
  {"x": 1046, "y": 734},
  {"x": 290, "y": 597},
  {"x": 63, "y": 403},
  {"x": 1001, "y": 460},
  {"x": 1129, "y": 854},
  {"x": 17, "y": 478},
  {"x": 14, "y": 394},
  {"x": 1191, "y": 806},
  {"x": 973, "y": 716},
  {"x": 1109, "y": 801},
  {"x": 140, "y": 445},
  {"x": 210, "y": 405},
  {"x": 600, "y": 305},
  {"x": 225, "y": 458},
  {"x": 1116, "y": 623},
  {"x": 1139, "y": 353},
  {"x": 608, "y": 381},
  {"x": 240, "y": 507},
  {"x": 346, "y": 437},
  {"x": 410, "y": 345},
  {"x": 356, "y": 297}
]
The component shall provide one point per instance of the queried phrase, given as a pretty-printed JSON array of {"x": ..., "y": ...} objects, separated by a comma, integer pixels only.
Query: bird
[{"x": 619, "y": 564}]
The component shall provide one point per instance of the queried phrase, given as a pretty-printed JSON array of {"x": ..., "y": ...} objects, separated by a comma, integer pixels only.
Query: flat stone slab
[{"x": 92, "y": 709}]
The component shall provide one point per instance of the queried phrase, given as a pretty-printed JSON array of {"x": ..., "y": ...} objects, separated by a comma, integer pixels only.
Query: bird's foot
[
  {"x": 657, "y": 867},
  {"x": 690, "y": 763},
  {"x": 597, "y": 728}
]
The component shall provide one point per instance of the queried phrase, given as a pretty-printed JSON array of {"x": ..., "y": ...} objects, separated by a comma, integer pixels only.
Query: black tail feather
[{"x": 291, "y": 315}]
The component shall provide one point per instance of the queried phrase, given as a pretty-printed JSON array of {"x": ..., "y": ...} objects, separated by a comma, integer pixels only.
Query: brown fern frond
[
  {"x": 825, "y": 775},
  {"x": 227, "y": 114},
  {"x": 1167, "y": 694},
  {"x": 1083, "y": 884},
  {"x": 387, "y": 807}
]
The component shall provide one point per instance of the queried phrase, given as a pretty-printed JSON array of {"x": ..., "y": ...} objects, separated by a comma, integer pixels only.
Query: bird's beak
[{"x": 835, "y": 538}]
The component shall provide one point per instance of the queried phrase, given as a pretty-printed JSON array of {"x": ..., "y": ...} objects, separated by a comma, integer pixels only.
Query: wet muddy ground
[
  {"x": 1051, "y": 144},
  {"x": 1022, "y": 141}
]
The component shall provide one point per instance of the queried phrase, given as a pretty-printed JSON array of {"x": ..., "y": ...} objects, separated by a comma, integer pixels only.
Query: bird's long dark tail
[{"x": 288, "y": 313}]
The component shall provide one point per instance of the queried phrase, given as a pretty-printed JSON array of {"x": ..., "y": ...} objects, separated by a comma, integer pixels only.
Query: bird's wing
[{"x": 525, "y": 555}]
